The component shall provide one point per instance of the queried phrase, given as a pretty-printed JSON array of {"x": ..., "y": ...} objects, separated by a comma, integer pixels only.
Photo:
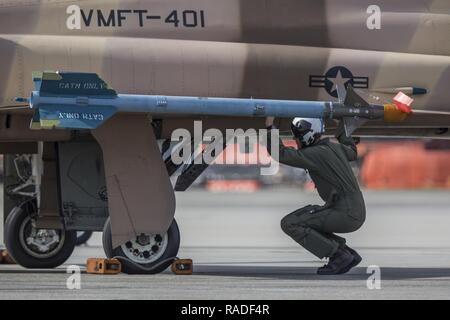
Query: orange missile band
[
  {"x": 393, "y": 114},
  {"x": 399, "y": 110}
]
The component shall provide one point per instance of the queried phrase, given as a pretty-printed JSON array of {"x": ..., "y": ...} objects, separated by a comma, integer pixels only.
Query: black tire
[
  {"x": 159, "y": 265},
  {"x": 17, "y": 226},
  {"x": 83, "y": 237}
]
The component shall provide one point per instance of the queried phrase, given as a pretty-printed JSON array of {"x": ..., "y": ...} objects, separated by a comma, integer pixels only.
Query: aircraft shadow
[
  {"x": 280, "y": 272},
  {"x": 309, "y": 273},
  {"x": 15, "y": 269}
]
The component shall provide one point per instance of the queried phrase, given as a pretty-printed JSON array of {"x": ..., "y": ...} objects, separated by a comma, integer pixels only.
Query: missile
[{"x": 68, "y": 100}]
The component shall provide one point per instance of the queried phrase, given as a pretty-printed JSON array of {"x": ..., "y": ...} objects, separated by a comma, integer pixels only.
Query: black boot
[
  {"x": 339, "y": 263},
  {"x": 356, "y": 259}
]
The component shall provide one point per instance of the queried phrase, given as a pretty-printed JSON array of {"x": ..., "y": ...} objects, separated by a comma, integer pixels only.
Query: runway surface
[{"x": 240, "y": 252}]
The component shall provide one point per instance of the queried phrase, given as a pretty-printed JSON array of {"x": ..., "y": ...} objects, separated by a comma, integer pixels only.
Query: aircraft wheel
[
  {"x": 146, "y": 254},
  {"x": 36, "y": 248},
  {"x": 83, "y": 237}
]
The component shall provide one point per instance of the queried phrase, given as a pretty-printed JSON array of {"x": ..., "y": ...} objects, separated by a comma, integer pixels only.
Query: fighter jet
[{"x": 90, "y": 87}]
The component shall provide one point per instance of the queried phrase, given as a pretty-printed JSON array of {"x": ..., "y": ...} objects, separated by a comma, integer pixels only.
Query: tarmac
[{"x": 240, "y": 252}]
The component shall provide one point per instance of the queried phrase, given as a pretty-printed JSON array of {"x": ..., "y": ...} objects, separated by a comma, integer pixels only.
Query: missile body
[{"x": 84, "y": 101}]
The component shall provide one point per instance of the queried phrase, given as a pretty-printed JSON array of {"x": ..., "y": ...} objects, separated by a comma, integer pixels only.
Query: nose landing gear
[{"x": 32, "y": 247}]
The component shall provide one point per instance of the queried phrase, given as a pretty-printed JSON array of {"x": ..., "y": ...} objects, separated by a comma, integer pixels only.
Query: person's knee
[
  {"x": 288, "y": 224},
  {"x": 295, "y": 220},
  {"x": 292, "y": 228}
]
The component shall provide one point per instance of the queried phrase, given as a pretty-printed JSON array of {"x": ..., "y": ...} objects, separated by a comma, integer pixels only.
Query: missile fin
[
  {"x": 341, "y": 92},
  {"x": 352, "y": 123},
  {"x": 36, "y": 121},
  {"x": 71, "y": 116},
  {"x": 72, "y": 84},
  {"x": 353, "y": 100}
]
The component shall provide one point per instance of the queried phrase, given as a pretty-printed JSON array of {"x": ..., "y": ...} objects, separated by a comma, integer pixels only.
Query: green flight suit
[{"x": 314, "y": 226}]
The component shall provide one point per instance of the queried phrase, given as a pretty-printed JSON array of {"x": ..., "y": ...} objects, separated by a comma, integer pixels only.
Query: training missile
[{"x": 68, "y": 100}]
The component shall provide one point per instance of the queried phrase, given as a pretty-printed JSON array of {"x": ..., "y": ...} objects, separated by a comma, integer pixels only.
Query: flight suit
[{"x": 344, "y": 211}]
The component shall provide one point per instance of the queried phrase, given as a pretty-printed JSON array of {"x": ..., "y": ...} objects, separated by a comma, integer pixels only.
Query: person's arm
[
  {"x": 347, "y": 143},
  {"x": 289, "y": 156}
]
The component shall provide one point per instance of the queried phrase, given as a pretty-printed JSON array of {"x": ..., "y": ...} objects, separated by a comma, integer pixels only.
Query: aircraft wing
[{"x": 16, "y": 109}]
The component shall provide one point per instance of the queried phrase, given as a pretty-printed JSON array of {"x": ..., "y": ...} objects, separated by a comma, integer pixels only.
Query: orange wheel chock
[
  {"x": 103, "y": 266},
  {"x": 5, "y": 258},
  {"x": 183, "y": 266}
]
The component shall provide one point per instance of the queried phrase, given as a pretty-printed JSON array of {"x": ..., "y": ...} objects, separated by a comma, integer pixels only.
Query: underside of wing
[{"x": 15, "y": 109}]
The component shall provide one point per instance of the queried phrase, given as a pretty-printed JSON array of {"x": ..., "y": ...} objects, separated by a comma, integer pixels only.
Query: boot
[
  {"x": 356, "y": 259},
  {"x": 339, "y": 263}
]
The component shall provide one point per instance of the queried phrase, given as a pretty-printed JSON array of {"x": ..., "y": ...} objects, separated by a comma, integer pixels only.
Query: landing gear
[
  {"x": 83, "y": 237},
  {"x": 147, "y": 253},
  {"x": 36, "y": 248}
]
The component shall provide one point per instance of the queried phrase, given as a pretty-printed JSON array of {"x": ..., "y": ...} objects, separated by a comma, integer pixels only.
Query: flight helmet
[{"x": 307, "y": 130}]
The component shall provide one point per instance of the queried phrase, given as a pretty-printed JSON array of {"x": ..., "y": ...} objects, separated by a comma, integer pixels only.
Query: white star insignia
[{"x": 338, "y": 81}]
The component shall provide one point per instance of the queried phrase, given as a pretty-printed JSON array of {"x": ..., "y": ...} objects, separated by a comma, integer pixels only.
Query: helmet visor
[{"x": 301, "y": 128}]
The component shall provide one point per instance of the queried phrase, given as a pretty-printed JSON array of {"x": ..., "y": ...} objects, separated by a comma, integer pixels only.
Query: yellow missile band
[
  {"x": 35, "y": 125},
  {"x": 49, "y": 124},
  {"x": 51, "y": 75},
  {"x": 392, "y": 114}
]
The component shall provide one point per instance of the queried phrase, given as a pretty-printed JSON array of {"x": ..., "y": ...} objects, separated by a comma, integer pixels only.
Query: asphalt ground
[{"x": 240, "y": 252}]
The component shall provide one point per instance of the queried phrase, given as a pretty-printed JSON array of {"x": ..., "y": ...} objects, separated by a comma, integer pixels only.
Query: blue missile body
[
  {"x": 88, "y": 112},
  {"x": 85, "y": 101}
]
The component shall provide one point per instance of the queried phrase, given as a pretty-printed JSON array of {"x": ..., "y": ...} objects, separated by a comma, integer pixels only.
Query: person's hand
[{"x": 269, "y": 121}]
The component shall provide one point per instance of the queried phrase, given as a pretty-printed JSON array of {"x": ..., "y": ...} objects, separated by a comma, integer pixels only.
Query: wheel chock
[
  {"x": 183, "y": 266},
  {"x": 5, "y": 258},
  {"x": 103, "y": 266}
]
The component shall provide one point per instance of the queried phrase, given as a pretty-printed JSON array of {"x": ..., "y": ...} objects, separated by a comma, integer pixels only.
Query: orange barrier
[
  {"x": 233, "y": 185},
  {"x": 405, "y": 166}
]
